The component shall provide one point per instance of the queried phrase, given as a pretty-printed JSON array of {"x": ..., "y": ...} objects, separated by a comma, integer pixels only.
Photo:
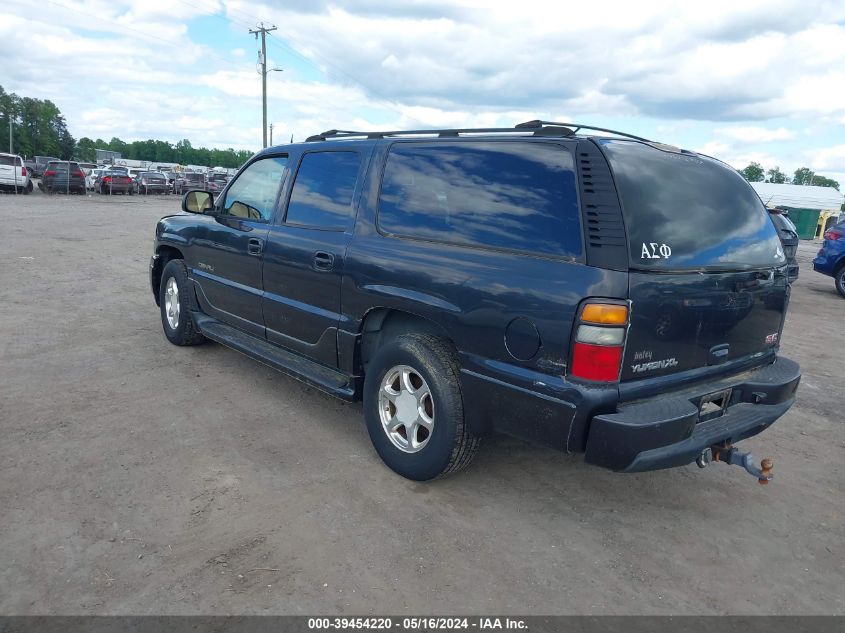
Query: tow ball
[{"x": 731, "y": 455}]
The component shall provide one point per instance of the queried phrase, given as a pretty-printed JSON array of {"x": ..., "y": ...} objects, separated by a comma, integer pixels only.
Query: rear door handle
[
  {"x": 254, "y": 246},
  {"x": 323, "y": 260}
]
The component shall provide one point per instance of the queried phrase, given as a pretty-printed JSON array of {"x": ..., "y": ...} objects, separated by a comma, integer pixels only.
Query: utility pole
[
  {"x": 11, "y": 151},
  {"x": 262, "y": 60},
  {"x": 271, "y": 134}
]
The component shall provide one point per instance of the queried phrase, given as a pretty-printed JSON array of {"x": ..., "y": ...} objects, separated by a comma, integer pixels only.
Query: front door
[
  {"x": 230, "y": 245},
  {"x": 303, "y": 262}
]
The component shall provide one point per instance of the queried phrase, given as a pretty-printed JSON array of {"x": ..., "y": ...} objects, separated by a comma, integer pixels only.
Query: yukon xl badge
[{"x": 655, "y": 364}]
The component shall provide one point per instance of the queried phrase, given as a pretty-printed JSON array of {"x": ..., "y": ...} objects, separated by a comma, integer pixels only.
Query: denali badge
[{"x": 657, "y": 364}]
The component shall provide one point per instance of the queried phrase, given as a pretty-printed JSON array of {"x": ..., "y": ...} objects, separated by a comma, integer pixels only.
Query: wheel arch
[
  {"x": 383, "y": 324},
  {"x": 380, "y": 325},
  {"x": 165, "y": 254}
]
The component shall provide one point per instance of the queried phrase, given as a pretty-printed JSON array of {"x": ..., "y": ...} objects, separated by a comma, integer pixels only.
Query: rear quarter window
[
  {"x": 505, "y": 195},
  {"x": 7, "y": 160}
]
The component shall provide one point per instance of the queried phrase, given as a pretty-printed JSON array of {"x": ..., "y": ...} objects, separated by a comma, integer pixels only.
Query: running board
[{"x": 326, "y": 379}]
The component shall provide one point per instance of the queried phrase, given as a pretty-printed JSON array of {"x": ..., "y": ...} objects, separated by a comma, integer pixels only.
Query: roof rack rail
[
  {"x": 577, "y": 126},
  {"x": 537, "y": 127},
  {"x": 542, "y": 130}
]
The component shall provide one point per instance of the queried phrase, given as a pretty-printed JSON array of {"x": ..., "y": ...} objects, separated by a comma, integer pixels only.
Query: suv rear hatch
[{"x": 707, "y": 279}]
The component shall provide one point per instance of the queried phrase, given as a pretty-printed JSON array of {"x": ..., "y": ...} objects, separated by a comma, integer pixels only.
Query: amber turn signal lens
[{"x": 605, "y": 314}]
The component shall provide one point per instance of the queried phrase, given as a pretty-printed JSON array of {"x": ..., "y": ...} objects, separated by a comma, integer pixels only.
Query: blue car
[{"x": 831, "y": 258}]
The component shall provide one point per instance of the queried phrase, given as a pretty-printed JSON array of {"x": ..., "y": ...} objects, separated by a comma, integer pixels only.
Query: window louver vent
[{"x": 607, "y": 245}]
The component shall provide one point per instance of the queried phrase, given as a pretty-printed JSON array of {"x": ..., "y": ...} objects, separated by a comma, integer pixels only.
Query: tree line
[
  {"x": 802, "y": 176},
  {"x": 39, "y": 128}
]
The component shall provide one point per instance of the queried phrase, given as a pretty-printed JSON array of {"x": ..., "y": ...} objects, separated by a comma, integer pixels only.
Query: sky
[{"x": 742, "y": 81}]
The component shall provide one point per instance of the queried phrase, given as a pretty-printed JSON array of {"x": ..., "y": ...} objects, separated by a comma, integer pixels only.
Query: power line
[
  {"x": 380, "y": 98},
  {"x": 283, "y": 46}
]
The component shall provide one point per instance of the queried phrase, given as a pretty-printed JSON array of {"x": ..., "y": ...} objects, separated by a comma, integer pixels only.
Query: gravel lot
[{"x": 137, "y": 477}]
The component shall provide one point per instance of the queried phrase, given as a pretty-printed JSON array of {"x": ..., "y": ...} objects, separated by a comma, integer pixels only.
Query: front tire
[
  {"x": 414, "y": 408},
  {"x": 840, "y": 280},
  {"x": 179, "y": 327}
]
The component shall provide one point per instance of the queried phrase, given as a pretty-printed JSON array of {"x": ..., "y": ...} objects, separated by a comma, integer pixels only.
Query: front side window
[
  {"x": 504, "y": 195},
  {"x": 253, "y": 194},
  {"x": 323, "y": 190}
]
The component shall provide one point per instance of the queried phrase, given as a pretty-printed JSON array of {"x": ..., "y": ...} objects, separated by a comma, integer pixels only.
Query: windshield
[{"x": 689, "y": 212}]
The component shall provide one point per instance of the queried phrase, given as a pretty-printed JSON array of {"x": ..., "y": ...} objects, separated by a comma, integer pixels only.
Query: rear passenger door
[{"x": 303, "y": 262}]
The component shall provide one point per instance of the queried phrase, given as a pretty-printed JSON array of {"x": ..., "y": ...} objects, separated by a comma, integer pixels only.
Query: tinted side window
[
  {"x": 253, "y": 194},
  {"x": 504, "y": 195},
  {"x": 323, "y": 190},
  {"x": 6, "y": 160}
]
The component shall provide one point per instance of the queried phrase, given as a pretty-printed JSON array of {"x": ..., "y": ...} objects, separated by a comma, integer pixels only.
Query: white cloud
[
  {"x": 131, "y": 69},
  {"x": 827, "y": 158},
  {"x": 756, "y": 134}
]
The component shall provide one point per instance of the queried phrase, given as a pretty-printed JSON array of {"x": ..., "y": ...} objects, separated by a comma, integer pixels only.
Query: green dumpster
[{"x": 805, "y": 221}]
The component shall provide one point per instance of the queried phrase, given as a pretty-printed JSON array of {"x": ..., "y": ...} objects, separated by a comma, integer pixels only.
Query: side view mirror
[{"x": 196, "y": 201}]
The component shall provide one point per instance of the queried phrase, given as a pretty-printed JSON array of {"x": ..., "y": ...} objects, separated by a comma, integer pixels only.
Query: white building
[{"x": 799, "y": 196}]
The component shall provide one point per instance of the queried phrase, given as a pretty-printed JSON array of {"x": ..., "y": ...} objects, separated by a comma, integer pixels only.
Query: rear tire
[
  {"x": 176, "y": 319},
  {"x": 413, "y": 382},
  {"x": 839, "y": 277}
]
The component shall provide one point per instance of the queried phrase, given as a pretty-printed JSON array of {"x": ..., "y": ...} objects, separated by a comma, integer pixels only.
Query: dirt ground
[{"x": 140, "y": 478}]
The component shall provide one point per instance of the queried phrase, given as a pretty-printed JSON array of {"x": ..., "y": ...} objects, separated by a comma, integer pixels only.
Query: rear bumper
[
  {"x": 664, "y": 431},
  {"x": 824, "y": 265}
]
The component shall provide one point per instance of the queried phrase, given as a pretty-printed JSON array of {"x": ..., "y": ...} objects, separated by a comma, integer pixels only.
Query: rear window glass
[
  {"x": 686, "y": 211},
  {"x": 57, "y": 166},
  {"x": 517, "y": 196}
]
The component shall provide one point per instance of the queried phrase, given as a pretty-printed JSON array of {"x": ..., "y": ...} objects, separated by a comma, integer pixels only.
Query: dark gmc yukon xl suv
[{"x": 606, "y": 295}]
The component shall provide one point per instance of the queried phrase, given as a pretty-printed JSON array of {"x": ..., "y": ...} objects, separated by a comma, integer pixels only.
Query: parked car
[
  {"x": 114, "y": 181},
  {"x": 151, "y": 182},
  {"x": 92, "y": 176},
  {"x": 41, "y": 165},
  {"x": 30, "y": 167},
  {"x": 187, "y": 181},
  {"x": 61, "y": 176},
  {"x": 216, "y": 182},
  {"x": 495, "y": 280},
  {"x": 788, "y": 238},
  {"x": 830, "y": 259},
  {"x": 14, "y": 176}
]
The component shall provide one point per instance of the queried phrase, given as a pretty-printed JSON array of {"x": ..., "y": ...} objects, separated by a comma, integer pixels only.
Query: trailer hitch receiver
[{"x": 730, "y": 455}]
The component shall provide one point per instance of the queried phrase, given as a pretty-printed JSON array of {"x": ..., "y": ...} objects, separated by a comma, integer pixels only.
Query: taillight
[
  {"x": 79, "y": 174},
  {"x": 23, "y": 171},
  {"x": 49, "y": 172},
  {"x": 107, "y": 179},
  {"x": 599, "y": 340},
  {"x": 832, "y": 234}
]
